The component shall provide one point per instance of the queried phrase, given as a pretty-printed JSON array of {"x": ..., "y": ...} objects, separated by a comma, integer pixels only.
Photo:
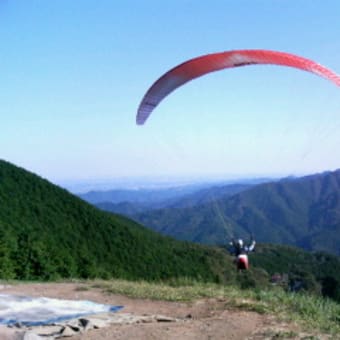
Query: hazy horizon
[{"x": 163, "y": 182}]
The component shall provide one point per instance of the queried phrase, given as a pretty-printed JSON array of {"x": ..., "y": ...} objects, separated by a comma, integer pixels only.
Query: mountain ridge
[{"x": 289, "y": 211}]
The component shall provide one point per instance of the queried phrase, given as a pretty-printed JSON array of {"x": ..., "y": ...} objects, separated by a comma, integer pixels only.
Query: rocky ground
[{"x": 147, "y": 319}]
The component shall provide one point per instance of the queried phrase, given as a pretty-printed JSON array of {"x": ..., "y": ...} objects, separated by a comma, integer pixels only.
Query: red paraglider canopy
[{"x": 202, "y": 65}]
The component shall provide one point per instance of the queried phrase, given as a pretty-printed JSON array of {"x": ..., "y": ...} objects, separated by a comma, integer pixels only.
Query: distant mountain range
[
  {"x": 154, "y": 198},
  {"x": 301, "y": 211},
  {"x": 131, "y": 203},
  {"x": 146, "y": 196}
]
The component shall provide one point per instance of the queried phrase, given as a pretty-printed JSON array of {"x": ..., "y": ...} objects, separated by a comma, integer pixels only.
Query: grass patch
[
  {"x": 163, "y": 291},
  {"x": 310, "y": 311}
]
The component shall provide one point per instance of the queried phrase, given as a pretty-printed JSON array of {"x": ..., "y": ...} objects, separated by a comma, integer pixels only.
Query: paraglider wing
[{"x": 218, "y": 61}]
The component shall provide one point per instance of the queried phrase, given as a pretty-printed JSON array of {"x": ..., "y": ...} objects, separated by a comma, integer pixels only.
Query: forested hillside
[
  {"x": 47, "y": 233},
  {"x": 297, "y": 270}
]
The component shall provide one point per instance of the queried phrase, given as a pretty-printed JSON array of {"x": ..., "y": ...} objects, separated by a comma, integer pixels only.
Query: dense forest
[{"x": 47, "y": 233}]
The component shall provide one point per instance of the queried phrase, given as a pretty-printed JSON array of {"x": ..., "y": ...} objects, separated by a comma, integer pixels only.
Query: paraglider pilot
[{"x": 240, "y": 250}]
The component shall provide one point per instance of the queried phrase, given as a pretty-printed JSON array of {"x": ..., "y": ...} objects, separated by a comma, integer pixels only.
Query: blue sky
[{"x": 74, "y": 71}]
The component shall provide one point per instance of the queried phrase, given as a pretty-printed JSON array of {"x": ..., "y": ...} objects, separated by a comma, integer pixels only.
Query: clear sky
[{"x": 72, "y": 74}]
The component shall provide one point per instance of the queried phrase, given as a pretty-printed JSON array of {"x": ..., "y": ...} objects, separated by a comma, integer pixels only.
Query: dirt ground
[{"x": 203, "y": 319}]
